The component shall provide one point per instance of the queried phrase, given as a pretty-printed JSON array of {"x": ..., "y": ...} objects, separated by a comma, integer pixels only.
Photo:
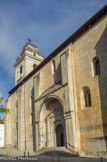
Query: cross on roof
[{"x": 29, "y": 40}]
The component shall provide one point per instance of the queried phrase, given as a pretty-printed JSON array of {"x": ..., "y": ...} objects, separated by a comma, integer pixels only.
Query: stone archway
[{"x": 51, "y": 122}]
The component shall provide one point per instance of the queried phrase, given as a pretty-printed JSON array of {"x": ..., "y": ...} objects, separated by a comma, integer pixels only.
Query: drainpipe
[
  {"x": 24, "y": 117},
  {"x": 33, "y": 120}
]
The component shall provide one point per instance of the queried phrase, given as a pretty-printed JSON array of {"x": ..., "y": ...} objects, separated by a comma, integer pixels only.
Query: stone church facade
[{"x": 62, "y": 101}]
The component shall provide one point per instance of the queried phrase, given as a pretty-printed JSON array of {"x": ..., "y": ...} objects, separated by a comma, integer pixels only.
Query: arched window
[
  {"x": 34, "y": 54},
  {"x": 87, "y": 96},
  {"x": 34, "y": 66},
  {"x": 53, "y": 66},
  {"x": 96, "y": 66},
  {"x": 20, "y": 69}
]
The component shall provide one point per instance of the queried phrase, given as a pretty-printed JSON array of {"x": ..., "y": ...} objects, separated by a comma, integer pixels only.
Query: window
[
  {"x": 30, "y": 101},
  {"x": 34, "y": 54},
  {"x": 87, "y": 96},
  {"x": 34, "y": 66},
  {"x": 53, "y": 67},
  {"x": 96, "y": 66},
  {"x": 20, "y": 69}
]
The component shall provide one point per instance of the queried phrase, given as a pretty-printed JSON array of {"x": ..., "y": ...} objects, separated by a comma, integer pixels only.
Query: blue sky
[{"x": 47, "y": 22}]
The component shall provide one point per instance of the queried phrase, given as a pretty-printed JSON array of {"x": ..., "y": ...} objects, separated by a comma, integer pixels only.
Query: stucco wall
[{"x": 1, "y": 135}]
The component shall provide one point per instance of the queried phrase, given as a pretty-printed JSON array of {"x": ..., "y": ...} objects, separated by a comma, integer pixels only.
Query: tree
[{"x": 2, "y": 108}]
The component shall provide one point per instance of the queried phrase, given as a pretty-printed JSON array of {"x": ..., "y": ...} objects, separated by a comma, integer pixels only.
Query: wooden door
[{"x": 60, "y": 136}]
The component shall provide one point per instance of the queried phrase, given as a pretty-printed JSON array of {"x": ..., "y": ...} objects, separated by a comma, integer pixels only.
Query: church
[{"x": 61, "y": 101}]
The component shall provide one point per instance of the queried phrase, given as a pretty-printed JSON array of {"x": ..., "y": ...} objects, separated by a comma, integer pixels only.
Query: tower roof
[{"x": 32, "y": 48}]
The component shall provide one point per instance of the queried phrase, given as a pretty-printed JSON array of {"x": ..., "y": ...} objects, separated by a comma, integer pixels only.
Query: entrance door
[{"x": 60, "y": 136}]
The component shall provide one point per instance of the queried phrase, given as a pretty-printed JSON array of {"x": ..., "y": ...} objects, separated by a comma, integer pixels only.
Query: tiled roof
[{"x": 1, "y": 121}]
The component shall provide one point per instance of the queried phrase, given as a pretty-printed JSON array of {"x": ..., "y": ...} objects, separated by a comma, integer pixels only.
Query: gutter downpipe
[{"x": 24, "y": 117}]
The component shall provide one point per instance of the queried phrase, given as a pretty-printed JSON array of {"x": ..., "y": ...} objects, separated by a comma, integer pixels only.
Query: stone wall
[{"x": 89, "y": 119}]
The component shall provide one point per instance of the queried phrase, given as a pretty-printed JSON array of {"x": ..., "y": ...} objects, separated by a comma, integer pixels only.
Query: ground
[{"x": 57, "y": 157}]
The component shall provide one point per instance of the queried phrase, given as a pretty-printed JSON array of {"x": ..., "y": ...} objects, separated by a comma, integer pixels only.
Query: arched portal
[
  {"x": 60, "y": 136},
  {"x": 52, "y": 124}
]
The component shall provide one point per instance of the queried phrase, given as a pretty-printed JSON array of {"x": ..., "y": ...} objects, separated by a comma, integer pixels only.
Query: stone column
[
  {"x": 72, "y": 92},
  {"x": 64, "y": 68},
  {"x": 47, "y": 133},
  {"x": 37, "y": 135},
  {"x": 21, "y": 120},
  {"x": 69, "y": 131}
]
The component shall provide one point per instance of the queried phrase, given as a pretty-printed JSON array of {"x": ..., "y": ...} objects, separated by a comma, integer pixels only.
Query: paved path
[
  {"x": 70, "y": 159},
  {"x": 17, "y": 156},
  {"x": 42, "y": 158}
]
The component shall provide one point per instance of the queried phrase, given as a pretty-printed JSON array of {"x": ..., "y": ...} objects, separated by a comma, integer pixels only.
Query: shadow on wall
[
  {"x": 101, "y": 53},
  {"x": 33, "y": 119},
  {"x": 57, "y": 75}
]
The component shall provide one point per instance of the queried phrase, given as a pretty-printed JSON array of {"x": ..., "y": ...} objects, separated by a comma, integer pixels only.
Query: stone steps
[{"x": 55, "y": 151}]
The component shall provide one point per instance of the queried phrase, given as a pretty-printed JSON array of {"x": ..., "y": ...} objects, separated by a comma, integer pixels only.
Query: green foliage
[
  {"x": 2, "y": 109},
  {"x": 1, "y": 99}
]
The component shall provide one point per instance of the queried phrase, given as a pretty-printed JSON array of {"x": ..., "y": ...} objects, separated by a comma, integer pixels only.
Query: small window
[
  {"x": 20, "y": 69},
  {"x": 53, "y": 66},
  {"x": 34, "y": 54},
  {"x": 34, "y": 66},
  {"x": 96, "y": 66},
  {"x": 87, "y": 96}
]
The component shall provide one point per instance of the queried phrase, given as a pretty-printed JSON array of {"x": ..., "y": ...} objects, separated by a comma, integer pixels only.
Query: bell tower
[{"x": 29, "y": 59}]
